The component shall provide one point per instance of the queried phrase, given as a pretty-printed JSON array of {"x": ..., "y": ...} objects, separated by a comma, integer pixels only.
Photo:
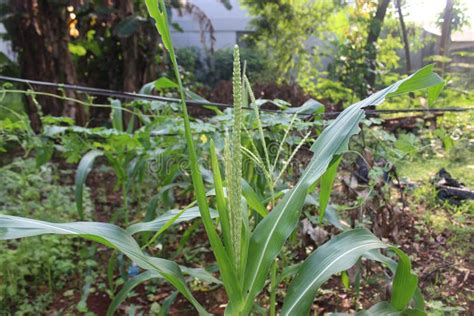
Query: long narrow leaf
[
  {"x": 85, "y": 166},
  {"x": 327, "y": 179},
  {"x": 252, "y": 199},
  {"x": 338, "y": 254},
  {"x": 116, "y": 115},
  {"x": 174, "y": 216},
  {"x": 107, "y": 234},
  {"x": 128, "y": 287},
  {"x": 220, "y": 197},
  {"x": 404, "y": 283}
]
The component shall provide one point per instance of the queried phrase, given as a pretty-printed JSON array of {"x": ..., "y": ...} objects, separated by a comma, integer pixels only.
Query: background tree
[
  {"x": 39, "y": 34},
  {"x": 375, "y": 27},
  {"x": 403, "y": 31},
  {"x": 453, "y": 18},
  {"x": 287, "y": 31}
]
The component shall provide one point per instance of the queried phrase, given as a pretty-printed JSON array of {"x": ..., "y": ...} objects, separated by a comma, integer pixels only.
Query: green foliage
[
  {"x": 349, "y": 67},
  {"x": 459, "y": 16},
  {"x": 29, "y": 266},
  {"x": 283, "y": 32},
  {"x": 220, "y": 66}
]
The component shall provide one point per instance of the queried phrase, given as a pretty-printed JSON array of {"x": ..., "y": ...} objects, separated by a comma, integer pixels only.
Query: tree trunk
[
  {"x": 375, "y": 28},
  {"x": 129, "y": 51},
  {"x": 39, "y": 34},
  {"x": 403, "y": 29},
  {"x": 446, "y": 31}
]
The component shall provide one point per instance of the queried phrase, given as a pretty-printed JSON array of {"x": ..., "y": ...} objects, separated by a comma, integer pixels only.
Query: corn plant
[{"x": 245, "y": 255}]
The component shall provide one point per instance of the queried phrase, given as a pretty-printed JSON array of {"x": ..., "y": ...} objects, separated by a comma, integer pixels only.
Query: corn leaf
[
  {"x": 272, "y": 232},
  {"x": 169, "y": 218},
  {"x": 116, "y": 115},
  {"x": 12, "y": 227},
  {"x": 85, "y": 166},
  {"x": 128, "y": 287},
  {"x": 220, "y": 197},
  {"x": 337, "y": 255},
  {"x": 157, "y": 11},
  {"x": 404, "y": 284},
  {"x": 327, "y": 180},
  {"x": 252, "y": 199}
]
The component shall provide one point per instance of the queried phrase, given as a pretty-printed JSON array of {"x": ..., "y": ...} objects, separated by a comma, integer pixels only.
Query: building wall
[
  {"x": 5, "y": 46},
  {"x": 227, "y": 25}
]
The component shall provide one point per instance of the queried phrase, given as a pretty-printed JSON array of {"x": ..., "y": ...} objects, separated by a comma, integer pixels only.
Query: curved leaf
[
  {"x": 337, "y": 255},
  {"x": 327, "y": 180},
  {"x": 116, "y": 115},
  {"x": 200, "y": 274},
  {"x": 311, "y": 106},
  {"x": 128, "y": 287},
  {"x": 169, "y": 218},
  {"x": 252, "y": 199},
  {"x": 405, "y": 282},
  {"x": 405, "y": 286},
  {"x": 107, "y": 234},
  {"x": 220, "y": 197},
  {"x": 85, "y": 166},
  {"x": 272, "y": 232}
]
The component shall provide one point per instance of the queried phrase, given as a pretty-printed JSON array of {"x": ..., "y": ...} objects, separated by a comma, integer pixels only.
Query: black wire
[
  {"x": 112, "y": 93},
  {"x": 135, "y": 96}
]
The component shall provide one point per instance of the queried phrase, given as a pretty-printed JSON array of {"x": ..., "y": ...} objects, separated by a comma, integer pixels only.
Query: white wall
[
  {"x": 226, "y": 24},
  {"x": 5, "y": 46}
]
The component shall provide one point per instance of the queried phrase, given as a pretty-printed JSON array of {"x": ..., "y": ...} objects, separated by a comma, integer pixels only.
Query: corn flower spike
[{"x": 233, "y": 165}]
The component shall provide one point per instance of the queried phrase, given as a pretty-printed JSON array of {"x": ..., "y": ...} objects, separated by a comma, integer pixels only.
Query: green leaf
[
  {"x": 252, "y": 199},
  {"x": 309, "y": 107},
  {"x": 338, "y": 254},
  {"x": 405, "y": 287},
  {"x": 85, "y": 166},
  {"x": 157, "y": 10},
  {"x": 128, "y": 26},
  {"x": 422, "y": 79},
  {"x": 44, "y": 153},
  {"x": 220, "y": 197},
  {"x": 77, "y": 49},
  {"x": 272, "y": 232},
  {"x": 200, "y": 274},
  {"x": 164, "y": 83},
  {"x": 345, "y": 279},
  {"x": 169, "y": 218},
  {"x": 327, "y": 180},
  {"x": 405, "y": 282},
  {"x": 116, "y": 115},
  {"x": 165, "y": 307},
  {"x": 128, "y": 287},
  {"x": 12, "y": 227}
]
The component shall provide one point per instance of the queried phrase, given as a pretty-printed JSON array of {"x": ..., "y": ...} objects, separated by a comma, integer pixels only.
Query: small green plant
[
  {"x": 30, "y": 266},
  {"x": 246, "y": 252}
]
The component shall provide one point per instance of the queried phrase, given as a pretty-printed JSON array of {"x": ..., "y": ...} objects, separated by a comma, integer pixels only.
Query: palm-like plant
[{"x": 245, "y": 255}]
